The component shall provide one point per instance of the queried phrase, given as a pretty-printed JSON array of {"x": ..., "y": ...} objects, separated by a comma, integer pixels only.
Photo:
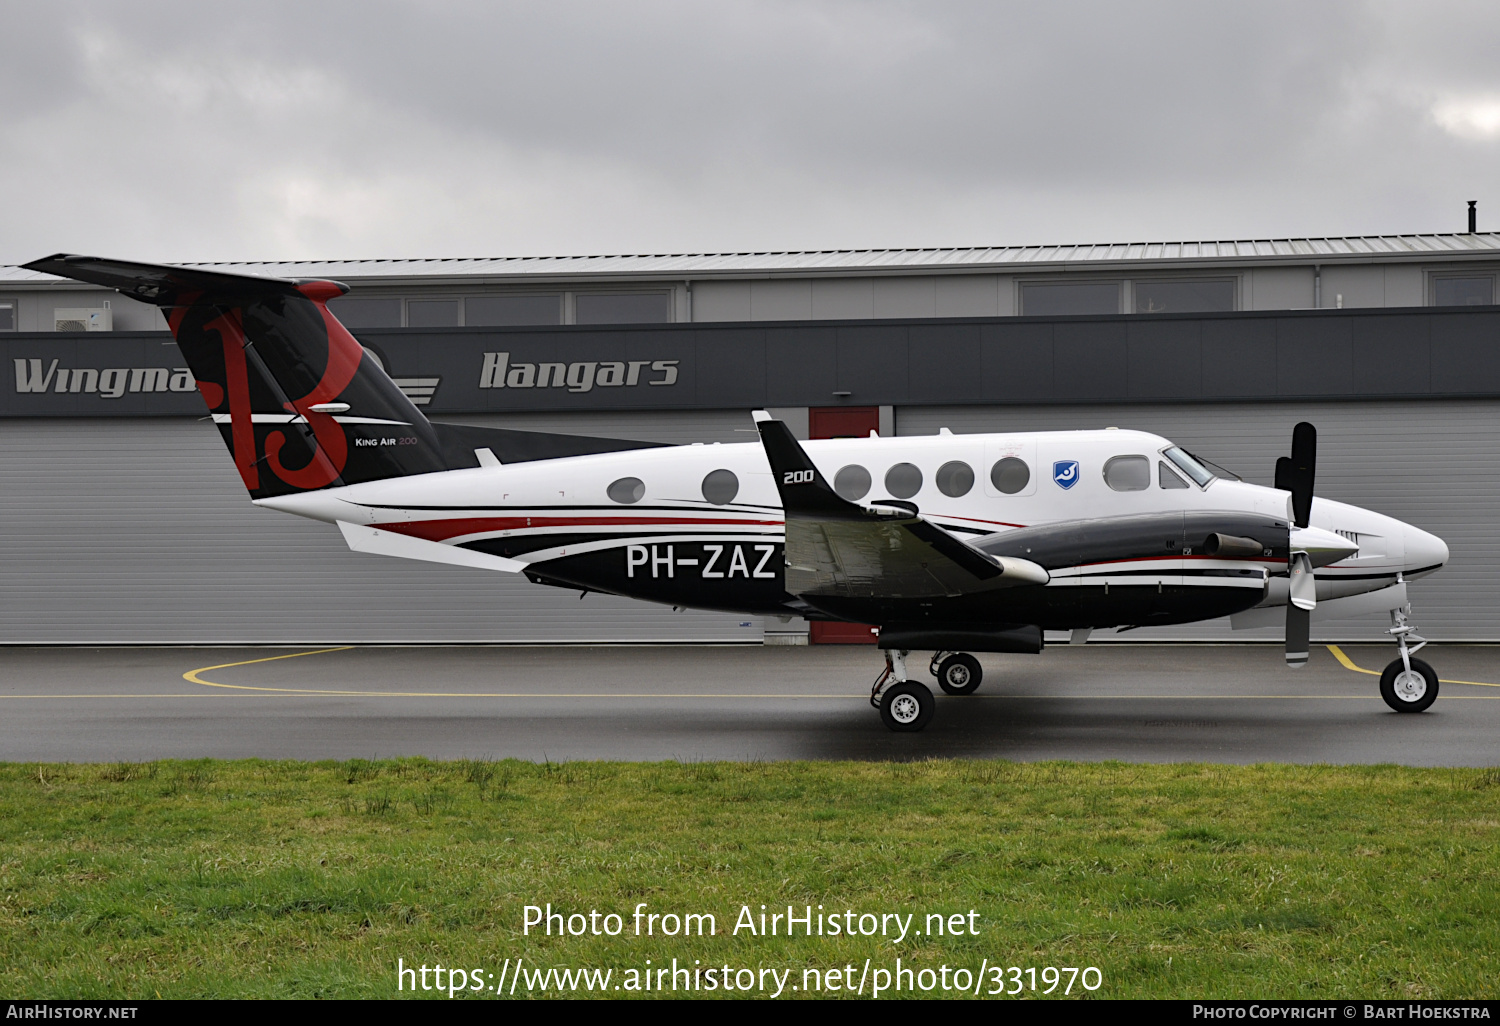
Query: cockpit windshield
[{"x": 1189, "y": 466}]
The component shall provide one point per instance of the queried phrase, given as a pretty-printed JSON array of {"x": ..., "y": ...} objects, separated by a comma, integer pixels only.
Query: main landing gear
[
  {"x": 904, "y": 704},
  {"x": 957, "y": 673},
  {"x": 1408, "y": 685}
]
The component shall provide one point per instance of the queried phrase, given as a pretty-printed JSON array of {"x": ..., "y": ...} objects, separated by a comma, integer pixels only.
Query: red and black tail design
[{"x": 300, "y": 403}]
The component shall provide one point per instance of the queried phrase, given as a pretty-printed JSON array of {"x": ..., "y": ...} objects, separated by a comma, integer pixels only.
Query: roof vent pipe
[{"x": 1473, "y": 216}]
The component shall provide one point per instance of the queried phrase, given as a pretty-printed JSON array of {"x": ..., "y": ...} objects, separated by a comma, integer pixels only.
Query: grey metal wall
[
  {"x": 1431, "y": 463},
  {"x": 137, "y": 530}
]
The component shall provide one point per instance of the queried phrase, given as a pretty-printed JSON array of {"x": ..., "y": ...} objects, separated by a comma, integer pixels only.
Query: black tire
[
  {"x": 906, "y": 707},
  {"x": 959, "y": 674},
  {"x": 1409, "y": 695}
]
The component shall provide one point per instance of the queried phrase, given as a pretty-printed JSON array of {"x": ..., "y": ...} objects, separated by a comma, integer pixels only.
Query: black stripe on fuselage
[{"x": 512, "y": 546}]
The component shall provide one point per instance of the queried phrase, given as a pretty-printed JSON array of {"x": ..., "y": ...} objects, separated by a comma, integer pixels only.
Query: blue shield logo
[{"x": 1065, "y": 473}]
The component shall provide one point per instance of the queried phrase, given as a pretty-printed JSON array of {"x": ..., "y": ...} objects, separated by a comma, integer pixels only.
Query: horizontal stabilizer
[
  {"x": 388, "y": 543},
  {"x": 157, "y": 283}
]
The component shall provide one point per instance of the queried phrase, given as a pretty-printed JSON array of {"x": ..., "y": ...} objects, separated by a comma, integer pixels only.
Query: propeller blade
[
  {"x": 1304, "y": 586},
  {"x": 1296, "y": 473},
  {"x": 1298, "y": 629},
  {"x": 1303, "y": 597}
]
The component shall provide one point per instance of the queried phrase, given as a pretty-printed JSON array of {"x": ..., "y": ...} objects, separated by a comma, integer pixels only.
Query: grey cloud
[{"x": 289, "y": 129}]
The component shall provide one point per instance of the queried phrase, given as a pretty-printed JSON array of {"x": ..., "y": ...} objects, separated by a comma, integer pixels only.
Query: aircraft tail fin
[{"x": 300, "y": 403}]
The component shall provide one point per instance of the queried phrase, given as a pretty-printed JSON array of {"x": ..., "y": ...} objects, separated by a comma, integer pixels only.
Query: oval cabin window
[
  {"x": 852, "y": 482},
  {"x": 1010, "y": 475},
  {"x": 1128, "y": 473},
  {"x": 627, "y": 490},
  {"x": 955, "y": 479},
  {"x": 720, "y": 487},
  {"x": 903, "y": 480}
]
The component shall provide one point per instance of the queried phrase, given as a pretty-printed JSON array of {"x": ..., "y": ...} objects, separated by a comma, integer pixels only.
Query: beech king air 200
[{"x": 952, "y": 544}]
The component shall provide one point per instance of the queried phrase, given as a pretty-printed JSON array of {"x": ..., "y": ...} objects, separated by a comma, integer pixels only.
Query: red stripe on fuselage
[{"x": 441, "y": 530}]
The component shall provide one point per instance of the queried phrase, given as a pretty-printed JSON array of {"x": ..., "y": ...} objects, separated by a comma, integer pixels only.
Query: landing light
[{"x": 329, "y": 407}]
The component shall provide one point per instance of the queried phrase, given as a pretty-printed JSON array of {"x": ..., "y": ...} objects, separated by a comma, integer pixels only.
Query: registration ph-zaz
[{"x": 664, "y": 562}]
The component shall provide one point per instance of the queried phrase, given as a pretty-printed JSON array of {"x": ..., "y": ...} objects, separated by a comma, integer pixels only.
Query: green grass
[{"x": 283, "y": 879}]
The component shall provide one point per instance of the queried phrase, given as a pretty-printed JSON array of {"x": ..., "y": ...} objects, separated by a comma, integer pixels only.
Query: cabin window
[
  {"x": 627, "y": 490},
  {"x": 955, "y": 479},
  {"x": 1166, "y": 477},
  {"x": 720, "y": 487},
  {"x": 1128, "y": 473},
  {"x": 903, "y": 480},
  {"x": 852, "y": 482},
  {"x": 1010, "y": 475}
]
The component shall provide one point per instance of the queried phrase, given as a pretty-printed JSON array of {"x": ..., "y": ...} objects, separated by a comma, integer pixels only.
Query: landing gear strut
[
  {"x": 957, "y": 673},
  {"x": 904, "y": 704},
  {"x": 1408, "y": 685}
]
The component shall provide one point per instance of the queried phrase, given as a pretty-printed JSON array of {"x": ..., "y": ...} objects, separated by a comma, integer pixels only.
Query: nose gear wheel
[{"x": 1409, "y": 690}]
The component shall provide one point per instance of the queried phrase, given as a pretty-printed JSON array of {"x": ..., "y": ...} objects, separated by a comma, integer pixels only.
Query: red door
[{"x": 842, "y": 422}]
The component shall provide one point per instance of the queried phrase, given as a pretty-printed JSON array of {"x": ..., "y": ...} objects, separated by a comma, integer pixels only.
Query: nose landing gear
[
  {"x": 904, "y": 705},
  {"x": 1408, "y": 685}
]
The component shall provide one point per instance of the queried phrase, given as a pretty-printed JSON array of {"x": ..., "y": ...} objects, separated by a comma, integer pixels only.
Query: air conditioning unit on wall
[{"x": 83, "y": 318}]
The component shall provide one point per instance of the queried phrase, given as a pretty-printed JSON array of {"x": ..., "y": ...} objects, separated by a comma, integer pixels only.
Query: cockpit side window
[
  {"x": 1166, "y": 477},
  {"x": 1200, "y": 474}
]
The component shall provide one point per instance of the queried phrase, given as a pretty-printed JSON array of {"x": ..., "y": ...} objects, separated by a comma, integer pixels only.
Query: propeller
[{"x": 1295, "y": 474}]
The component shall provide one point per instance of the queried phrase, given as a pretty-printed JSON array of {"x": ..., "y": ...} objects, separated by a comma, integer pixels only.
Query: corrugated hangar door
[
  {"x": 139, "y": 531},
  {"x": 1432, "y": 463}
]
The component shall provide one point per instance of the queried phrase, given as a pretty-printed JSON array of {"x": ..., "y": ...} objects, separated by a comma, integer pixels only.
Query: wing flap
[{"x": 839, "y": 549}]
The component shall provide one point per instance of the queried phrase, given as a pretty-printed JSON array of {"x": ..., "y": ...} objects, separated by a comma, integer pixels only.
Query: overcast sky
[{"x": 270, "y": 130}]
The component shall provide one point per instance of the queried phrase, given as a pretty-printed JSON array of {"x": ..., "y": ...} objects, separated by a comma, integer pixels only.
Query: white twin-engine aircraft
[{"x": 952, "y": 544}]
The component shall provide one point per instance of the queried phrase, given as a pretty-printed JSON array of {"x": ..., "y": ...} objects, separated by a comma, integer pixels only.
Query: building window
[
  {"x": 1204, "y": 296},
  {"x": 1474, "y": 290},
  {"x": 1047, "y": 299},
  {"x": 7, "y": 316},
  {"x": 622, "y": 308},
  {"x": 432, "y": 313},
  {"x": 367, "y": 313},
  {"x": 512, "y": 311}
]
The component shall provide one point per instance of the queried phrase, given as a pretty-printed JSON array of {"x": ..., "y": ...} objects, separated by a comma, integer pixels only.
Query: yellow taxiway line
[
  {"x": 195, "y": 677},
  {"x": 1348, "y": 664}
]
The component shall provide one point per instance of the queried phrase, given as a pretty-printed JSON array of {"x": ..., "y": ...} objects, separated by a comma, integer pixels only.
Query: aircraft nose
[{"x": 1423, "y": 551}]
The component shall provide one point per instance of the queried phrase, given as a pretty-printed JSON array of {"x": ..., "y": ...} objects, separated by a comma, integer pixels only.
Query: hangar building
[{"x": 124, "y": 520}]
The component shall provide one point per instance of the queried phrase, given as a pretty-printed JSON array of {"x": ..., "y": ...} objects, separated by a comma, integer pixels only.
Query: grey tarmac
[{"x": 1136, "y": 703}]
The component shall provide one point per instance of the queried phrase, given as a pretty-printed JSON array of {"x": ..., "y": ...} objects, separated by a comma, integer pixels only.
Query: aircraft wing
[{"x": 838, "y": 548}]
